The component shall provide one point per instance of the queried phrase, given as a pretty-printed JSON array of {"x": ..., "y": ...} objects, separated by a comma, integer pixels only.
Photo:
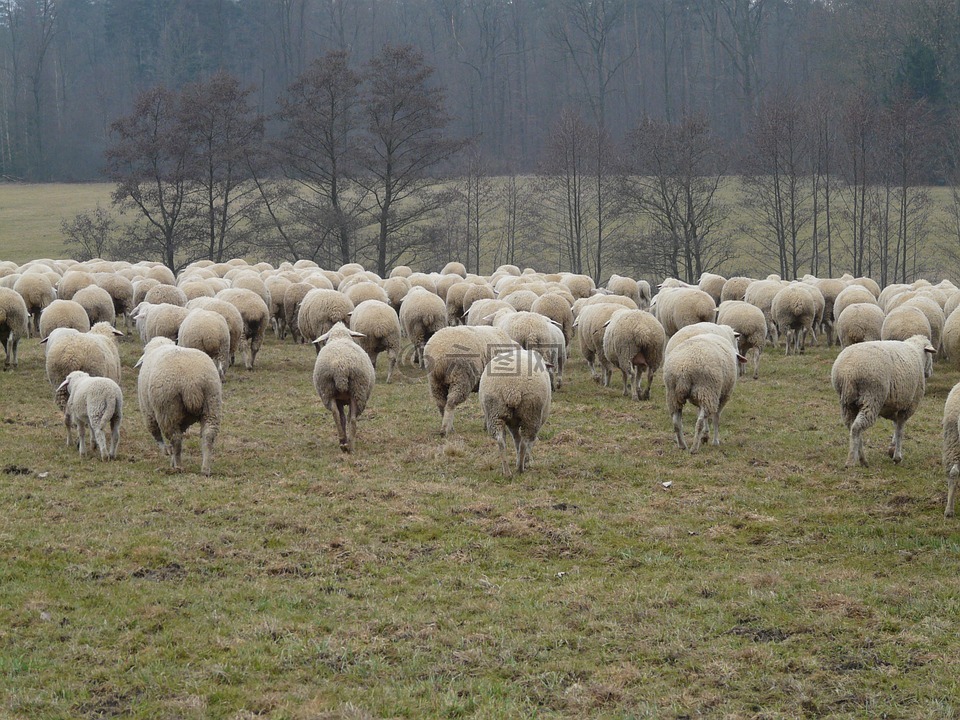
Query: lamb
[
  {"x": 343, "y": 377},
  {"x": 97, "y": 303},
  {"x": 256, "y": 316},
  {"x": 455, "y": 358},
  {"x": 93, "y": 403},
  {"x": 94, "y": 352},
  {"x": 793, "y": 311},
  {"x": 207, "y": 331},
  {"x": 63, "y": 313},
  {"x": 320, "y": 310},
  {"x": 676, "y": 307},
  {"x": 904, "y": 322},
  {"x": 177, "y": 388},
  {"x": 515, "y": 394},
  {"x": 634, "y": 340},
  {"x": 859, "y": 322},
  {"x": 951, "y": 446},
  {"x": 884, "y": 378},
  {"x": 703, "y": 371},
  {"x": 14, "y": 318},
  {"x": 378, "y": 329},
  {"x": 422, "y": 314},
  {"x": 37, "y": 292},
  {"x": 747, "y": 320}
]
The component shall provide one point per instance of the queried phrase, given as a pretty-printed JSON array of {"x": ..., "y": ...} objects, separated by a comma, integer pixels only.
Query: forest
[{"x": 661, "y": 137}]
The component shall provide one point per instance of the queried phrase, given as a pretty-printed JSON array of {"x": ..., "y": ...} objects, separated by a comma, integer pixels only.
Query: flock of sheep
[{"x": 505, "y": 336}]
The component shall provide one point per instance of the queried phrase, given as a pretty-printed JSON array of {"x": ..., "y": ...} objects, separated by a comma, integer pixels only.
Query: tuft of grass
[{"x": 412, "y": 579}]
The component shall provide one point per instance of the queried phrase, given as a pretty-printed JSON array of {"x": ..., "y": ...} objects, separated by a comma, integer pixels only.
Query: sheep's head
[
  {"x": 66, "y": 387},
  {"x": 152, "y": 346},
  {"x": 337, "y": 332}
]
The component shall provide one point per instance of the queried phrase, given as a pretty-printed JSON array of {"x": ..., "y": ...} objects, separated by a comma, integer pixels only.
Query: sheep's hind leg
[
  {"x": 114, "y": 436},
  {"x": 678, "y": 429},
  {"x": 352, "y": 426},
  {"x": 895, "y": 450},
  {"x": 864, "y": 419},
  {"x": 951, "y": 489},
  {"x": 701, "y": 431},
  {"x": 340, "y": 419},
  {"x": 176, "y": 451},
  {"x": 101, "y": 438},
  {"x": 208, "y": 434},
  {"x": 496, "y": 429}
]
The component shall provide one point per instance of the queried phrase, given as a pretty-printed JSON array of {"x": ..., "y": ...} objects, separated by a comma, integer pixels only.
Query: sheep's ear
[
  {"x": 356, "y": 334},
  {"x": 64, "y": 384},
  {"x": 741, "y": 358},
  {"x": 139, "y": 362},
  {"x": 929, "y": 349},
  {"x": 607, "y": 323},
  {"x": 44, "y": 341},
  {"x": 117, "y": 332},
  {"x": 488, "y": 318},
  {"x": 736, "y": 334},
  {"x": 322, "y": 338},
  {"x": 559, "y": 325}
]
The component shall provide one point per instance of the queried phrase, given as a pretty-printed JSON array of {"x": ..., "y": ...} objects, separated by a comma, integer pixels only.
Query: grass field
[{"x": 412, "y": 580}]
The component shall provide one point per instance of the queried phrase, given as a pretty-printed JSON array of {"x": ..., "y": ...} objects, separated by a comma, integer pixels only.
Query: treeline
[{"x": 68, "y": 68}]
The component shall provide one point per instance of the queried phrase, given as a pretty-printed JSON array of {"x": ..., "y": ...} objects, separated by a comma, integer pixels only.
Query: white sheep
[
  {"x": 178, "y": 387},
  {"x": 554, "y": 306},
  {"x": 703, "y": 371},
  {"x": 207, "y": 331},
  {"x": 97, "y": 303},
  {"x": 532, "y": 331},
  {"x": 626, "y": 286},
  {"x": 751, "y": 327},
  {"x": 676, "y": 307},
  {"x": 229, "y": 313},
  {"x": 63, "y": 314},
  {"x": 633, "y": 340},
  {"x": 859, "y": 322},
  {"x": 712, "y": 285},
  {"x": 794, "y": 312},
  {"x": 951, "y": 446},
  {"x": 256, "y": 316},
  {"x": 591, "y": 325},
  {"x": 378, "y": 327},
  {"x": 734, "y": 288},
  {"x": 515, "y": 395},
  {"x": 883, "y": 378},
  {"x": 760, "y": 293},
  {"x": 904, "y": 322},
  {"x": 160, "y": 320},
  {"x": 343, "y": 377},
  {"x": 95, "y": 352},
  {"x": 14, "y": 324},
  {"x": 93, "y": 403},
  {"x": 320, "y": 310},
  {"x": 37, "y": 292},
  {"x": 422, "y": 314},
  {"x": 170, "y": 294}
]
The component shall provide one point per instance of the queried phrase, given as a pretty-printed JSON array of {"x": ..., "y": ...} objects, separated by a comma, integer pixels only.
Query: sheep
[
  {"x": 445, "y": 282},
  {"x": 120, "y": 290},
  {"x": 141, "y": 287},
  {"x": 454, "y": 300},
  {"x": 747, "y": 320},
  {"x": 422, "y": 314},
  {"x": 161, "y": 273},
  {"x": 424, "y": 281},
  {"x": 162, "y": 320},
  {"x": 712, "y": 285},
  {"x": 904, "y": 322},
  {"x": 359, "y": 292},
  {"x": 207, "y": 331},
  {"x": 97, "y": 303},
  {"x": 869, "y": 283},
  {"x": 72, "y": 282},
  {"x": 93, "y": 403},
  {"x": 793, "y": 311},
  {"x": 94, "y": 352},
  {"x": 455, "y": 268},
  {"x": 63, "y": 313},
  {"x": 621, "y": 300},
  {"x": 521, "y": 300},
  {"x": 558, "y": 347},
  {"x": 378, "y": 329},
  {"x": 256, "y": 316},
  {"x": 884, "y": 378},
  {"x": 481, "y": 312},
  {"x": 676, "y": 307},
  {"x": 701, "y": 328},
  {"x": 343, "y": 377},
  {"x": 951, "y": 446},
  {"x": 934, "y": 314},
  {"x": 515, "y": 394},
  {"x": 532, "y": 332},
  {"x": 14, "y": 318},
  {"x": 734, "y": 288},
  {"x": 633, "y": 340},
  {"x": 403, "y": 271},
  {"x": 320, "y": 310},
  {"x": 703, "y": 371},
  {"x": 229, "y": 313},
  {"x": 475, "y": 293},
  {"x": 859, "y": 322},
  {"x": 554, "y": 307},
  {"x": 455, "y": 358},
  {"x": 830, "y": 288},
  {"x": 590, "y": 325},
  {"x": 396, "y": 288},
  {"x": 178, "y": 387},
  {"x": 169, "y": 294},
  {"x": 628, "y": 287},
  {"x": 580, "y": 286},
  {"x": 761, "y": 293},
  {"x": 292, "y": 298},
  {"x": 37, "y": 292},
  {"x": 853, "y": 293}
]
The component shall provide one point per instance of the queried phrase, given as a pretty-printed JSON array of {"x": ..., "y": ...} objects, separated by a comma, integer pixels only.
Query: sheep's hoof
[
  {"x": 344, "y": 447},
  {"x": 948, "y": 513}
]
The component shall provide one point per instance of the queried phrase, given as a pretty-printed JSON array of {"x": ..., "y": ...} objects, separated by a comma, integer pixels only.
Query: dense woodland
[{"x": 585, "y": 134}]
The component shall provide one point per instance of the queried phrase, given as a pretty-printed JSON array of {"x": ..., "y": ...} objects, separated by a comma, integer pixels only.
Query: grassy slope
[
  {"x": 30, "y": 216},
  {"x": 412, "y": 580}
]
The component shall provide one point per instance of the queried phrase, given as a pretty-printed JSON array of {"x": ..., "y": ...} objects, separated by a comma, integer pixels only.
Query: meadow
[{"x": 618, "y": 577}]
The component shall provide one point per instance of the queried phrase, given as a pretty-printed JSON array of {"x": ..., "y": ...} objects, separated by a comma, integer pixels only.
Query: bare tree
[
  {"x": 403, "y": 144},
  {"x": 671, "y": 179},
  {"x": 91, "y": 234},
  {"x": 567, "y": 188},
  {"x": 858, "y": 131}
]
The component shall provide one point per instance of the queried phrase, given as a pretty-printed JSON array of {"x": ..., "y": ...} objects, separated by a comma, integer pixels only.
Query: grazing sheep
[
  {"x": 515, "y": 394},
  {"x": 633, "y": 340},
  {"x": 455, "y": 268},
  {"x": 621, "y": 300},
  {"x": 591, "y": 325},
  {"x": 455, "y": 358},
  {"x": 378, "y": 329},
  {"x": 229, "y": 313},
  {"x": 712, "y": 285},
  {"x": 883, "y": 378},
  {"x": 454, "y": 300},
  {"x": 141, "y": 287},
  {"x": 207, "y": 331},
  {"x": 63, "y": 313},
  {"x": 169, "y": 294},
  {"x": 277, "y": 288},
  {"x": 555, "y": 307},
  {"x": 521, "y": 300},
  {"x": 482, "y": 311},
  {"x": 320, "y": 310},
  {"x": 532, "y": 331},
  {"x": 256, "y": 316},
  {"x": 344, "y": 378},
  {"x": 401, "y": 271},
  {"x": 161, "y": 320},
  {"x": 934, "y": 314},
  {"x": 830, "y": 288},
  {"x": 859, "y": 322},
  {"x": 396, "y": 288},
  {"x": 580, "y": 286},
  {"x": 95, "y": 352},
  {"x": 422, "y": 314},
  {"x": 14, "y": 319},
  {"x": 361, "y": 291},
  {"x": 179, "y": 387},
  {"x": 951, "y": 446},
  {"x": 97, "y": 303},
  {"x": 703, "y": 371},
  {"x": 445, "y": 282},
  {"x": 37, "y": 292},
  {"x": 747, "y": 320},
  {"x": 93, "y": 403},
  {"x": 734, "y": 288},
  {"x": 680, "y": 306},
  {"x": 904, "y": 322},
  {"x": 850, "y": 295},
  {"x": 72, "y": 282},
  {"x": 626, "y": 286},
  {"x": 292, "y": 298},
  {"x": 793, "y": 311},
  {"x": 761, "y": 293},
  {"x": 120, "y": 290}
]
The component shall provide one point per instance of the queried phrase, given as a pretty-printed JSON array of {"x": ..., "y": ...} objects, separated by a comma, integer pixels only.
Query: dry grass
[{"x": 412, "y": 580}]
